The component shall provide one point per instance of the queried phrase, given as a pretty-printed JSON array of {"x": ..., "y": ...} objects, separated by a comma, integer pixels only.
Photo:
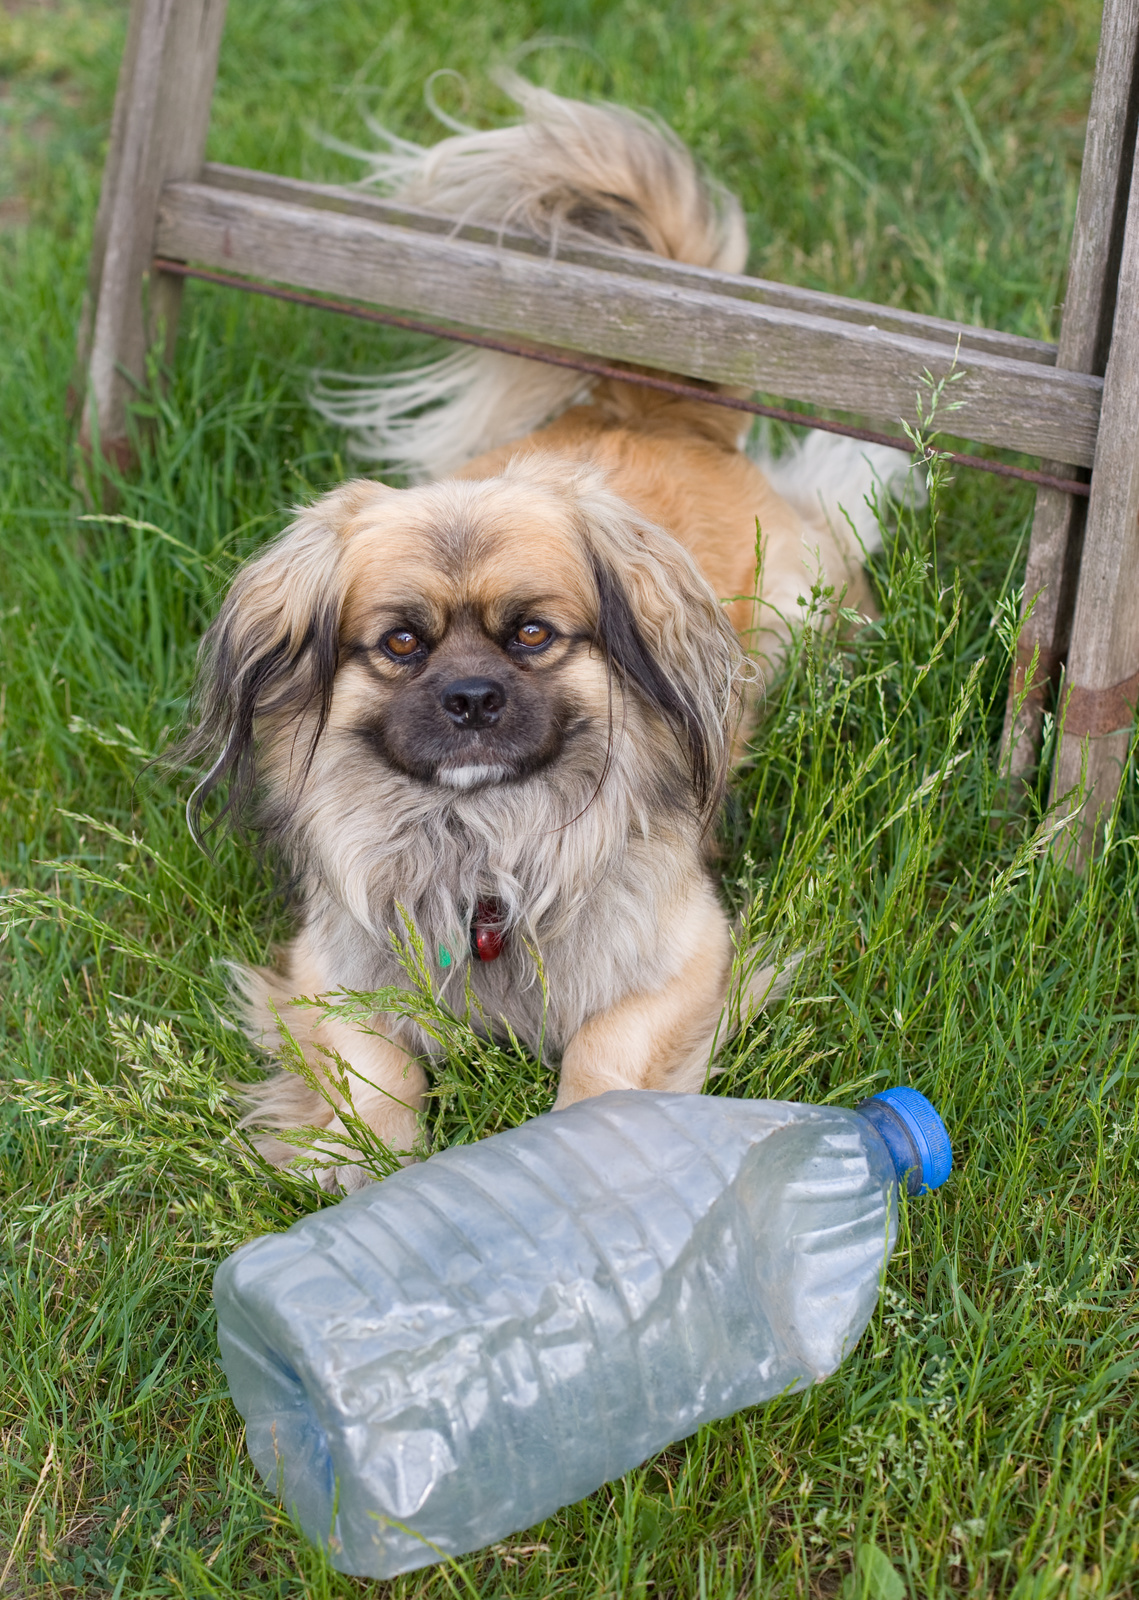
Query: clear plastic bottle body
[{"x": 453, "y": 1354}]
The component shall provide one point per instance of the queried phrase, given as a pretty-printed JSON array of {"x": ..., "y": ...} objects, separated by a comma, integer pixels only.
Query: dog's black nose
[{"x": 473, "y": 702}]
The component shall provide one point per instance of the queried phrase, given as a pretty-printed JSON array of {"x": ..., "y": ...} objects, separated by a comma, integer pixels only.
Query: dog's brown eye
[
  {"x": 401, "y": 643},
  {"x": 533, "y": 634}
]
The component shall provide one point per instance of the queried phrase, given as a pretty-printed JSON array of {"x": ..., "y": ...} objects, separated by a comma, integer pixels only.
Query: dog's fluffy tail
[
  {"x": 844, "y": 485},
  {"x": 567, "y": 173}
]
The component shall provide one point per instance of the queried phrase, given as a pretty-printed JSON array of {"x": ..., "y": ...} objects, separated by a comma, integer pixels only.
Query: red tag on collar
[{"x": 488, "y": 937}]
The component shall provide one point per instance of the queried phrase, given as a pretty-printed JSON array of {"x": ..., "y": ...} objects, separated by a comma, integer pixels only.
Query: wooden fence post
[
  {"x": 1052, "y": 569},
  {"x": 161, "y": 119},
  {"x": 1101, "y": 679}
]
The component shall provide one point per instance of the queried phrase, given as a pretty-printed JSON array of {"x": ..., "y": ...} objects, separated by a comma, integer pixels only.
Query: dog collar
[{"x": 488, "y": 937}]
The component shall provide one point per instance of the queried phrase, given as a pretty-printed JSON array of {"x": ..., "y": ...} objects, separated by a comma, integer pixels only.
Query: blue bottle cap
[{"x": 920, "y": 1146}]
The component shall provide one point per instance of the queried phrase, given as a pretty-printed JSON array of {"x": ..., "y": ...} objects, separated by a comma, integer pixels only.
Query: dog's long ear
[
  {"x": 270, "y": 657},
  {"x": 663, "y": 631}
]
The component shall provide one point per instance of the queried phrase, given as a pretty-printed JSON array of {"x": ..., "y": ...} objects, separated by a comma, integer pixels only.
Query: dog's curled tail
[
  {"x": 568, "y": 173},
  {"x": 842, "y": 485}
]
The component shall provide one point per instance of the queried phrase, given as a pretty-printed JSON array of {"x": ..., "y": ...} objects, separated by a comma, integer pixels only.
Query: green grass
[{"x": 982, "y": 1439}]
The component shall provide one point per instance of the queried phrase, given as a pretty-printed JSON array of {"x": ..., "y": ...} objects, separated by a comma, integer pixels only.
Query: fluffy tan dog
[{"x": 503, "y": 704}]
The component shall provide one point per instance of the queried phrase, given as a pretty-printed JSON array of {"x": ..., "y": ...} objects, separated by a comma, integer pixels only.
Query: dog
[{"x": 499, "y": 706}]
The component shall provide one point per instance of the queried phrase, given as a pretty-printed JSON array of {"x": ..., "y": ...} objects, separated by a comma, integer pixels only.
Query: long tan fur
[{"x": 520, "y": 686}]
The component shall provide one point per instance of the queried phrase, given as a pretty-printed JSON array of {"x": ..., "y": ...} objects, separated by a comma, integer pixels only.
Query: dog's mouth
[
  {"x": 471, "y": 775},
  {"x": 460, "y": 761}
]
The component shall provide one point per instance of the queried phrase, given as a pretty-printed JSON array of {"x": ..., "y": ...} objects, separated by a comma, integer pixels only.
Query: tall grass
[{"x": 982, "y": 1439}]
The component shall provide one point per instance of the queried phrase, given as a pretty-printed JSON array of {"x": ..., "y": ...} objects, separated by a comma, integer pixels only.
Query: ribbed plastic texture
[{"x": 450, "y": 1355}]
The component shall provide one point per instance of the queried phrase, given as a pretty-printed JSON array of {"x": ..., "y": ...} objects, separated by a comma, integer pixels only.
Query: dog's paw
[{"x": 344, "y": 1179}]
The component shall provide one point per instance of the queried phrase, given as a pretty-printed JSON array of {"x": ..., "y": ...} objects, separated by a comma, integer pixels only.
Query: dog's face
[
  {"x": 465, "y": 635},
  {"x": 468, "y": 636}
]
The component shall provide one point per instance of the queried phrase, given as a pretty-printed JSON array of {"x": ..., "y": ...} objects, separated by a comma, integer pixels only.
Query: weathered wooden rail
[
  {"x": 1075, "y": 405},
  {"x": 680, "y": 319}
]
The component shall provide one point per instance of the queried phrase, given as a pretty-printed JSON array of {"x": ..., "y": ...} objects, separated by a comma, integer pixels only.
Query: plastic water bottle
[{"x": 450, "y": 1355}]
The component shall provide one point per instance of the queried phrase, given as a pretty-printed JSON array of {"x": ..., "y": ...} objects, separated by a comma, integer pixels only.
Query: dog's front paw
[
  {"x": 342, "y": 1174},
  {"x": 344, "y": 1179}
]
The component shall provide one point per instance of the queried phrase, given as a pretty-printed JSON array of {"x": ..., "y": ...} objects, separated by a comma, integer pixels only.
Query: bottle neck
[{"x": 899, "y": 1141}]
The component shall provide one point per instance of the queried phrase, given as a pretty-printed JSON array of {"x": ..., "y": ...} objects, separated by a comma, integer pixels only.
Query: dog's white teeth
[{"x": 468, "y": 777}]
